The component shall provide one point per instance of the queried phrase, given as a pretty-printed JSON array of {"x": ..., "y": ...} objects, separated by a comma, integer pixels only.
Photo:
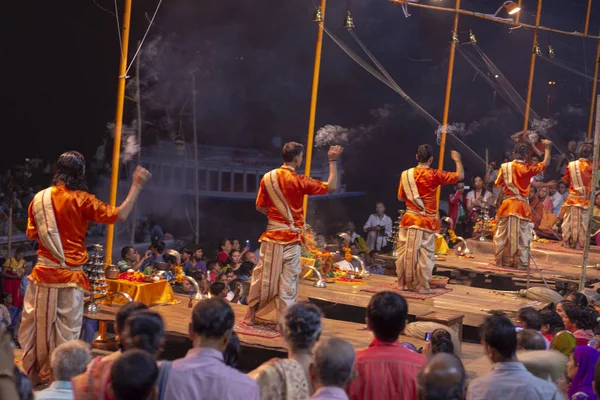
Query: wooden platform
[
  {"x": 474, "y": 303},
  {"x": 178, "y": 317}
]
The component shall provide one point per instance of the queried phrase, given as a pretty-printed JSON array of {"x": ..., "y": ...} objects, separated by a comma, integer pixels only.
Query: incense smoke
[
  {"x": 129, "y": 143},
  {"x": 543, "y": 125},
  {"x": 330, "y": 135}
]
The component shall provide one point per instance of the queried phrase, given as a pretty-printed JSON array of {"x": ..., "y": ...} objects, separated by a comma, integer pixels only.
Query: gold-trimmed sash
[
  {"x": 279, "y": 200},
  {"x": 507, "y": 171},
  {"x": 576, "y": 178},
  {"x": 45, "y": 221},
  {"x": 409, "y": 185}
]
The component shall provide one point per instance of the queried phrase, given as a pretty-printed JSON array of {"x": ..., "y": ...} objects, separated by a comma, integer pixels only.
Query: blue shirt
[{"x": 58, "y": 390}]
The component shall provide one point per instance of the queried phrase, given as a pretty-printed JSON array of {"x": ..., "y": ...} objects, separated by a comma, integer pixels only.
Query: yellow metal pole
[
  {"x": 594, "y": 88},
  {"x": 448, "y": 92},
  {"x": 532, "y": 65},
  {"x": 313, "y": 100},
  {"x": 587, "y": 17},
  {"x": 114, "y": 178}
]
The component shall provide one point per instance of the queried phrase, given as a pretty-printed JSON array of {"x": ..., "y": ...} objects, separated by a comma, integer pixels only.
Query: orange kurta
[
  {"x": 73, "y": 209},
  {"x": 574, "y": 198},
  {"x": 294, "y": 186},
  {"x": 522, "y": 174},
  {"x": 428, "y": 180}
]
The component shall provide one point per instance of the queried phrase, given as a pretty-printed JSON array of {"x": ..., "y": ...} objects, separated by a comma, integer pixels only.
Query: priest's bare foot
[{"x": 249, "y": 317}]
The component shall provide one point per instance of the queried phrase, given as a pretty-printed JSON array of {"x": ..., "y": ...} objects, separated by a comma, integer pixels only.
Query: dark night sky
[{"x": 254, "y": 68}]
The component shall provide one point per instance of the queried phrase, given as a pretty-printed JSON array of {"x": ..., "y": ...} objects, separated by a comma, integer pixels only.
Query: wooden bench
[{"x": 449, "y": 319}]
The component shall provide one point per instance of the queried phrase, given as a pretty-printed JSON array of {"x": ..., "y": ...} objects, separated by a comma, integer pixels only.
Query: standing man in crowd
[
  {"x": 378, "y": 228},
  {"x": 513, "y": 232},
  {"x": 418, "y": 188},
  {"x": 280, "y": 197},
  {"x": 53, "y": 307},
  {"x": 579, "y": 177}
]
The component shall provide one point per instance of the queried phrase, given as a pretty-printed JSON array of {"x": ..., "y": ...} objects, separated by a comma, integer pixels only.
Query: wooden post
[
  {"x": 532, "y": 65},
  {"x": 448, "y": 93},
  {"x": 313, "y": 101},
  {"x": 592, "y": 195},
  {"x": 196, "y": 177},
  {"x": 594, "y": 89},
  {"x": 138, "y": 106},
  {"x": 114, "y": 179}
]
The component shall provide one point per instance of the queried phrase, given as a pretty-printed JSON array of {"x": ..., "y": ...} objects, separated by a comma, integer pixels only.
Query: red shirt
[{"x": 386, "y": 371}]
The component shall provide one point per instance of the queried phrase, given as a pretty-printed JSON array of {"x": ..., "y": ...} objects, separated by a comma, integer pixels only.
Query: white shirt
[
  {"x": 471, "y": 197},
  {"x": 58, "y": 390},
  {"x": 557, "y": 202},
  {"x": 374, "y": 221}
]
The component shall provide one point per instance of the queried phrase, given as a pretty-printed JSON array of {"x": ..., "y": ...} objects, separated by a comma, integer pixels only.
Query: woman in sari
[
  {"x": 288, "y": 379},
  {"x": 143, "y": 330},
  {"x": 580, "y": 371},
  {"x": 578, "y": 320}
]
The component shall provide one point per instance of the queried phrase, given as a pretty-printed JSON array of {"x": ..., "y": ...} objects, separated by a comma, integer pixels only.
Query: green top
[{"x": 124, "y": 265}]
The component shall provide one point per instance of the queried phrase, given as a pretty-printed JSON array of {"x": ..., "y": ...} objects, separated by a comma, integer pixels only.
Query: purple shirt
[
  {"x": 330, "y": 393},
  {"x": 200, "y": 265},
  {"x": 202, "y": 374}
]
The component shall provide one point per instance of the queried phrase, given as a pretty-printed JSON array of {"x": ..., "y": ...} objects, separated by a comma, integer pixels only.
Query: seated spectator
[
  {"x": 219, "y": 290},
  {"x": 130, "y": 259},
  {"x": 67, "y": 361},
  {"x": 578, "y": 320},
  {"x": 301, "y": 331},
  {"x": 441, "y": 342},
  {"x": 245, "y": 271},
  {"x": 250, "y": 257},
  {"x": 529, "y": 318},
  {"x": 203, "y": 374},
  {"x": 544, "y": 199},
  {"x": 578, "y": 298},
  {"x": 187, "y": 288},
  {"x": 195, "y": 264},
  {"x": 564, "y": 342},
  {"x": 231, "y": 355},
  {"x": 186, "y": 257},
  {"x": 530, "y": 339},
  {"x": 508, "y": 379},
  {"x": 143, "y": 330},
  {"x": 332, "y": 369},
  {"x": 157, "y": 249},
  {"x": 224, "y": 248},
  {"x": 442, "y": 378},
  {"x": 386, "y": 369},
  {"x": 235, "y": 259},
  {"x": 5, "y": 318},
  {"x": 580, "y": 371},
  {"x": 551, "y": 323},
  {"x": 212, "y": 272},
  {"x": 133, "y": 376},
  {"x": 12, "y": 272},
  {"x": 240, "y": 291}
]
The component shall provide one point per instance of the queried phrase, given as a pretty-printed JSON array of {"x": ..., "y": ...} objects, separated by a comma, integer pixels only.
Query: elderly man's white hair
[
  {"x": 334, "y": 362},
  {"x": 70, "y": 359}
]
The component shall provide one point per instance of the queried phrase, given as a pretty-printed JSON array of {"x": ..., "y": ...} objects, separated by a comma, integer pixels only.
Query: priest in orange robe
[
  {"x": 416, "y": 237},
  {"x": 58, "y": 220},
  {"x": 513, "y": 229},
  {"x": 274, "y": 284},
  {"x": 579, "y": 177}
]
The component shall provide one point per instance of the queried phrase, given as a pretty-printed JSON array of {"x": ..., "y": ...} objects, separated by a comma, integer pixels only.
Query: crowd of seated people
[{"x": 550, "y": 354}]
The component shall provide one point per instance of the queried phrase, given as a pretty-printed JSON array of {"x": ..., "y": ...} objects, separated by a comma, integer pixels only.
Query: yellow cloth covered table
[{"x": 148, "y": 293}]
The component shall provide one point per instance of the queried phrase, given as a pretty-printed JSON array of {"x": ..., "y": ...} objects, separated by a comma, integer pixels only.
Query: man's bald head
[
  {"x": 333, "y": 363},
  {"x": 442, "y": 378}
]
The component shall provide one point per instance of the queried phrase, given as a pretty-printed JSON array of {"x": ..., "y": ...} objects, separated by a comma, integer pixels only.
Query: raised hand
[
  {"x": 141, "y": 176},
  {"x": 335, "y": 152},
  {"x": 547, "y": 142},
  {"x": 455, "y": 155}
]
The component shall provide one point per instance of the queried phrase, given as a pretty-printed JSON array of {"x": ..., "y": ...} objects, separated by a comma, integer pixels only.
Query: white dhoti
[
  {"x": 415, "y": 262},
  {"x": 511, "y": 239},
  {"x": 574, "y": 226},
  {"x": 51, "y": 316},
  {"x": 274, "y": 285}
]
